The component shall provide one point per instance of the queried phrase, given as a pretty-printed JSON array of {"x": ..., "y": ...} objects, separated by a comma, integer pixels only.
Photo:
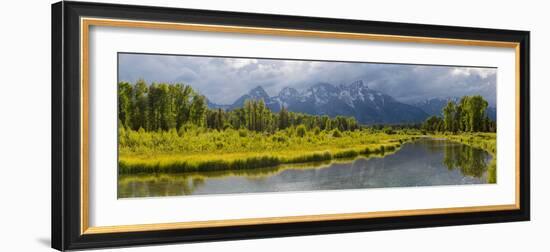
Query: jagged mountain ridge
[{"x": 356, "y": 99}]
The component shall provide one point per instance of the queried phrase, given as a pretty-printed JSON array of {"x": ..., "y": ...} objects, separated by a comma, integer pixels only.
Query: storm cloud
[{"x": 223, "y": 80}]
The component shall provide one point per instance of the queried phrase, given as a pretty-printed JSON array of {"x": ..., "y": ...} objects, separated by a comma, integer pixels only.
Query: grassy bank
[
  {"x": 199, "y": 150},
  {"x": 125, "y": 179},
  {"x": 485, "y": 141}
]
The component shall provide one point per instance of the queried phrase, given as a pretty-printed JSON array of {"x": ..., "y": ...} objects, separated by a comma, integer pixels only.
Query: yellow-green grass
[
  {"x": 175, "y": 163},
  {"x": 485, "y": 141},
  {"x": 247, "y": 151},
  {"x": 250, "y": 173}
]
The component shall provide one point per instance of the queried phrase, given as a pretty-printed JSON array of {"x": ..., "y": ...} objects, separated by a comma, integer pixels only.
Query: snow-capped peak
[
  {"x": 288, "y": 92},
  {"x": 258, "y": 92},
  {"x": 353, "y": 99},
  {"x": 358, "y": 84}
]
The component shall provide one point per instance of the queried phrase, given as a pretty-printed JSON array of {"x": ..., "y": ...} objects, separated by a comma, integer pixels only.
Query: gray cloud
[{"x": 223, "y": 80}]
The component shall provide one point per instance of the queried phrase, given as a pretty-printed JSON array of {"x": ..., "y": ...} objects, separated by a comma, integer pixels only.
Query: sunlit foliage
[{"x": 469, "y": 115}]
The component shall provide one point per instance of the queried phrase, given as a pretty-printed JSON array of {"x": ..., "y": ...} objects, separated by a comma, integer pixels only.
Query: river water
[{"x": 425, "y": 162}]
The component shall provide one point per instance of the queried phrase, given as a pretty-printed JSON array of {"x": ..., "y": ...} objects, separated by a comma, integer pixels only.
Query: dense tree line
[
  {"x": 256, "y": 116},
  {"x": 468, "y": 115},
  {"x": 161, "y": 106}
]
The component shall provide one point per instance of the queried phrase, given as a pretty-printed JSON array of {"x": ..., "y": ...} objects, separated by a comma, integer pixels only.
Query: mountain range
[{"x": 356, "y": 99}]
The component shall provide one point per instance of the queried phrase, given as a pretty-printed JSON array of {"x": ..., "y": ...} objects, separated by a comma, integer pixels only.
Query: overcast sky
[{"x": 223, "y": 80}]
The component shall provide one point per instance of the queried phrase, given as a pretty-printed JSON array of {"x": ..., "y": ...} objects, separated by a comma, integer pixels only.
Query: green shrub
[
  {"x": 388, "y": 130},
  {"x": 301, "y": 130},
  {"x": 316, "y": 131}
]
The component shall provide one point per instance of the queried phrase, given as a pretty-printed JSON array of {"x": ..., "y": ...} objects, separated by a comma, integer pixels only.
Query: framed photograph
[{"x": 182, "y": 125}]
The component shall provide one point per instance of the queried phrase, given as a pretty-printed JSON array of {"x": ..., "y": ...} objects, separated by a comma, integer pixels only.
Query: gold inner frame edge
[{"x": 85, "y": 24}]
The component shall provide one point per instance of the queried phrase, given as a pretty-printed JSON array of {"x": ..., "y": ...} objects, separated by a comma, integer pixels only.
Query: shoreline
[
  {"x": 484, "y": 141},
  {"x": 260, "y": 160},
  {"x": 256, "y": 161}
]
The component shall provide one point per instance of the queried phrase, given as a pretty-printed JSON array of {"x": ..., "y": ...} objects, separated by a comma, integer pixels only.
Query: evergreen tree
[
  {"x": 449, "y": 112},
  {"x": 283, "y": 118},
  {"x": 197, "y": 113}
]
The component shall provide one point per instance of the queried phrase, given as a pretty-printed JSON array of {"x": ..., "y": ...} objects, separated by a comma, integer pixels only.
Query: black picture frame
[{"x": 66, "y": 124}]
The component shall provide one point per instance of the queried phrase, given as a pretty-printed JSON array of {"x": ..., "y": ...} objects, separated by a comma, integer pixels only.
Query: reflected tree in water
[
  {"x": 158, "y": 185},
  {"x": 471, "y": 161},
  {"x": 144, "y": 185},
  {"x": 423, "y": 163}
]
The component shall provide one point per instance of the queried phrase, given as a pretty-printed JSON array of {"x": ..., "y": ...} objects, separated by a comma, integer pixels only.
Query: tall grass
[{"x": 200, "y": 150}]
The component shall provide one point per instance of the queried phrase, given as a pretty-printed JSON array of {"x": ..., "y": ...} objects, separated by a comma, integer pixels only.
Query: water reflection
[{"x": 422, "y": 163}]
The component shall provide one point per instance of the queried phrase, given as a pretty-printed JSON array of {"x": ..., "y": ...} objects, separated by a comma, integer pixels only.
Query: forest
[
  {"x": 163, "y": 107},
  {"x": 169, "y": 128},
  {"x": 468, "y": 115}
]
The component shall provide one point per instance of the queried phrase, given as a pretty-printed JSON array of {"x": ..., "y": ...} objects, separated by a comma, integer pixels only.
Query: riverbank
[
  {"x": 484, "y": 141},
  {"x": 425, "y": 162},
  {"x": 235, "y": 150}
]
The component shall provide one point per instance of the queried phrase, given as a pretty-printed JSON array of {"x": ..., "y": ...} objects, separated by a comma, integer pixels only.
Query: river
[{"x": 424, "y": 162}]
